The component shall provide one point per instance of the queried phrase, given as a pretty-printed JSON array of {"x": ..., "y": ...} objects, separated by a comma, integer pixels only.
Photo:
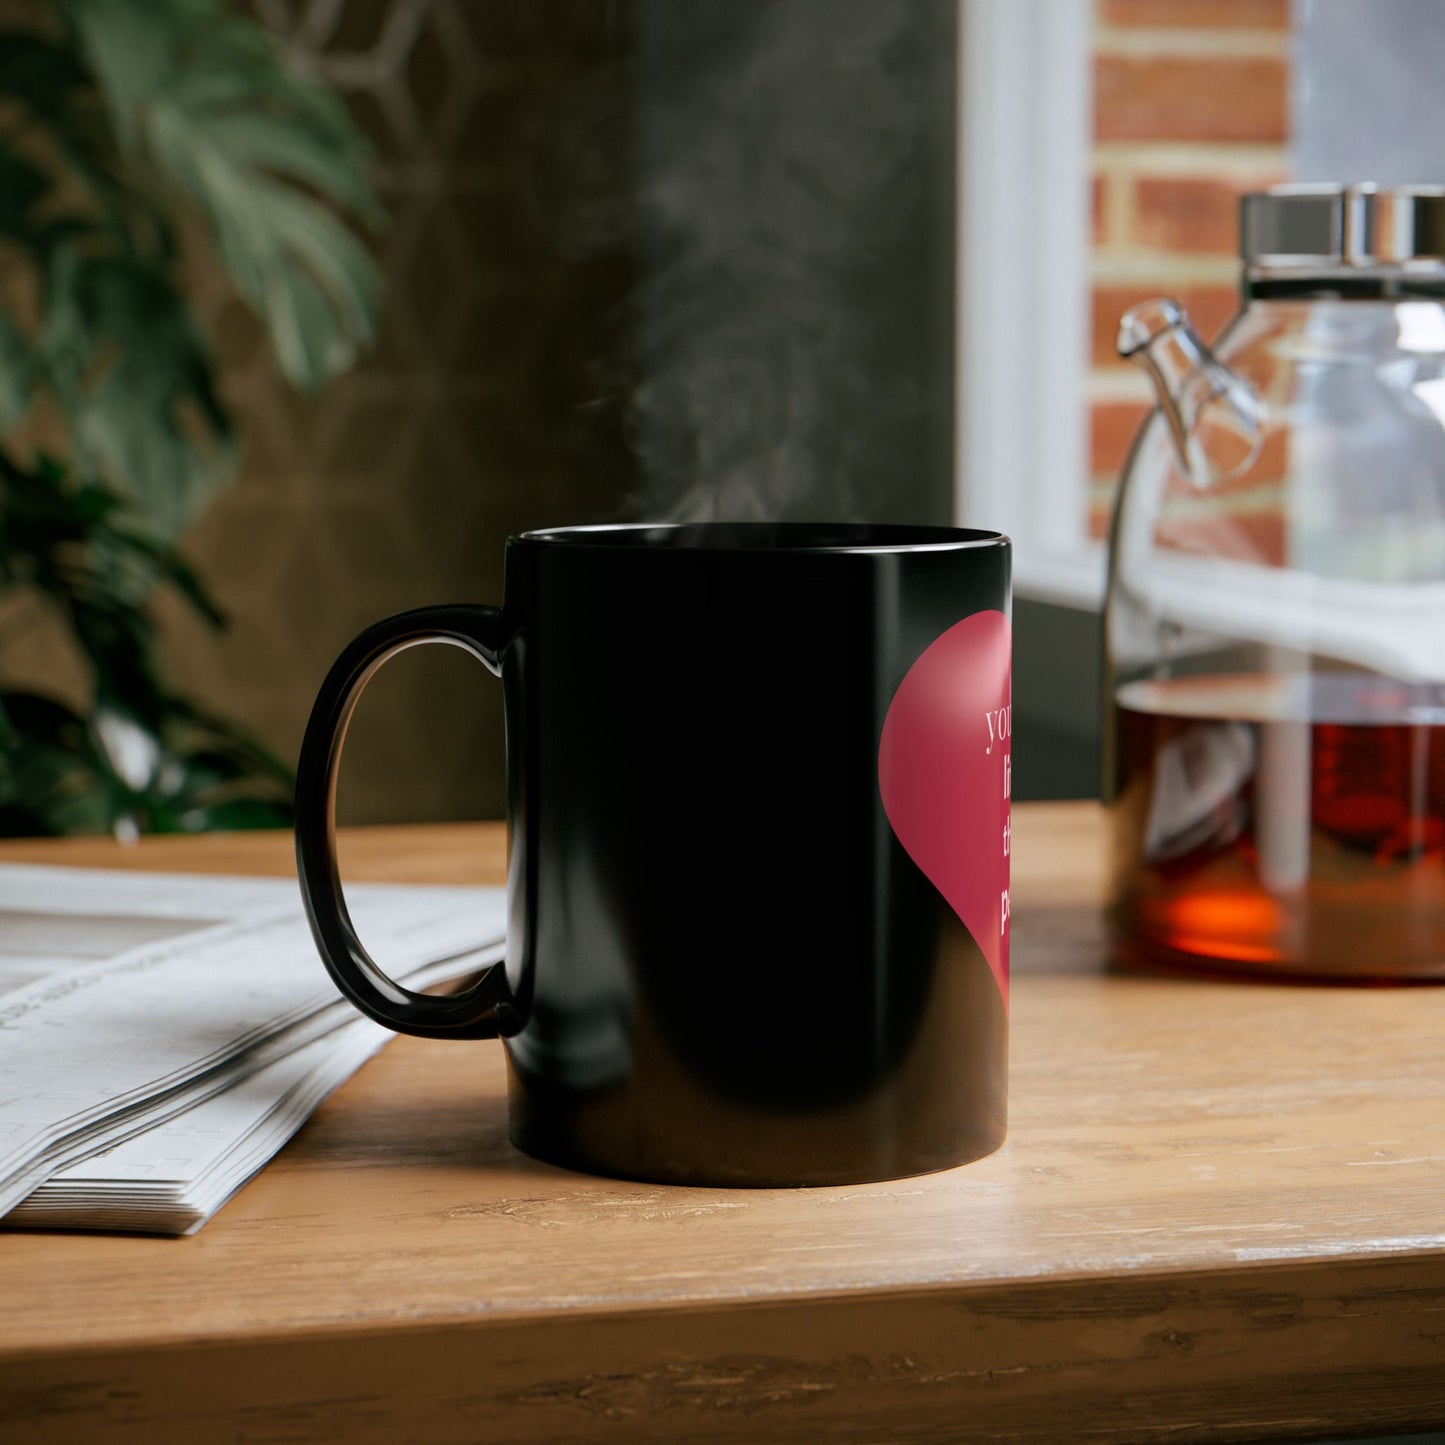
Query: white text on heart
[{"x": 1000, "y": 726}]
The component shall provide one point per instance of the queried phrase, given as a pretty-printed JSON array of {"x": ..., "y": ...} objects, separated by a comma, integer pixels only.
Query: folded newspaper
[{"x": 161, "y": 1036}]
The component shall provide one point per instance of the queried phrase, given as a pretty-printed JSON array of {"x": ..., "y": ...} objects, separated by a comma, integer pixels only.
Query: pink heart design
[{"x": 944, "y": 770}]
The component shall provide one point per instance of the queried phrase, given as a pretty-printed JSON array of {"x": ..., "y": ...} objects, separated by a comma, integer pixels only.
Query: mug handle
[{"x": 471, "y": 1014}]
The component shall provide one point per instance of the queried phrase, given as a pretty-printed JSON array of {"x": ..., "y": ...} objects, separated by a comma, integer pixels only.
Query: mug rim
[{"x": 765, "y": 537}]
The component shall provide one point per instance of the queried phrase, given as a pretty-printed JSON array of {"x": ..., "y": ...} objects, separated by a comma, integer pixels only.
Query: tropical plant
[{"x": 128, "y": 129}]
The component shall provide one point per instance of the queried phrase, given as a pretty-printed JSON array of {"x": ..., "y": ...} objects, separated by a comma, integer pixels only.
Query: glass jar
[{"x": 1275, "y": 622}]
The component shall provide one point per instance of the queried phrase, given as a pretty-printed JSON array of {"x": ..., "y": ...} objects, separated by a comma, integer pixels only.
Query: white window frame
[{"x": 1021, "y": 446}]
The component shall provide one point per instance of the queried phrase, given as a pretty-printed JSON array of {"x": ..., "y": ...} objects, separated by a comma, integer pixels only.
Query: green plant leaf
[
  {"x": 263, "y": 151},
  {"x": 61, "y": 773},
  {"x": 74, "y": 547},
  {"x": 112, "y": 117},
  {"x": 49, "y": 783},
  {"x": 22, "y": 185},
  {"x": 17, "y": 369},
  {"x": 169, "y": 566},
  {"x": 38, "y": 72},
  {"x": 54, "y": 95},
  {"x": 134, "y": 378},
  {"x": 225, "y": 738}
]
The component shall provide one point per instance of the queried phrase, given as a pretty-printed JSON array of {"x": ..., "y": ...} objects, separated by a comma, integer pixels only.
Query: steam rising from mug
[{"x": 789, "y": 346}]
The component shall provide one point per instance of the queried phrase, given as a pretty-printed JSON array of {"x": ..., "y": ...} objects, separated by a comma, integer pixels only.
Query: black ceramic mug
[{"x": 758, "y": 784}]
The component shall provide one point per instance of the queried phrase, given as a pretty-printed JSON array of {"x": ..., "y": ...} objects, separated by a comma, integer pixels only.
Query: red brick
[
  {"x": 1114, "y": 425},
  {"x": 1188, "y": 213},
  {"x": 1245, "y": 536},
  {"x": 1257, "y": 488},
  {"x": 1269, "y": 468},
  {"x": 1196, "y": 98},
  {"x": 1098, "y": 220},
  {"x": 1112, "y": 428},
  {"x": 1209, "y": 307},
  {"x": 1197, "y": 14}
]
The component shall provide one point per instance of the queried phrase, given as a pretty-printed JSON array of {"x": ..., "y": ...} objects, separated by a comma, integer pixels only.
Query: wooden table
[{"x": 1220, "y": 1214}]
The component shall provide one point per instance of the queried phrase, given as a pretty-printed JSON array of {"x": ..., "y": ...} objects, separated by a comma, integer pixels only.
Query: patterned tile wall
[
  {"x": 479, "y": 414},
  {"x": 645, "y": 257}
]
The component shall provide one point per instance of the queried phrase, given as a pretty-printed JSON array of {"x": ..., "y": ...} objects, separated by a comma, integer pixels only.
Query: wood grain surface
[{"x": 1220, "y": 1214}]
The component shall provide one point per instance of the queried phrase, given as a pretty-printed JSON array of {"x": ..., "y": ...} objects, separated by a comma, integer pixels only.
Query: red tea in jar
[{"x": 1285, "y": 825}]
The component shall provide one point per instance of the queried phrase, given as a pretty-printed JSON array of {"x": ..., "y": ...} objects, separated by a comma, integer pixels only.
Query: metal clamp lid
[{"x": 1327, "y": 227}]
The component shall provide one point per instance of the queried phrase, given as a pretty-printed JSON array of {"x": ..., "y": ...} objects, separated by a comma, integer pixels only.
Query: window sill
[{"x": 1073, "y": 578}]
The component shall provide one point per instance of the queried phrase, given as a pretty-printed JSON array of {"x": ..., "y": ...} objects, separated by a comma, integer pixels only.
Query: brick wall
[{"x": 1190, "y": 110}]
